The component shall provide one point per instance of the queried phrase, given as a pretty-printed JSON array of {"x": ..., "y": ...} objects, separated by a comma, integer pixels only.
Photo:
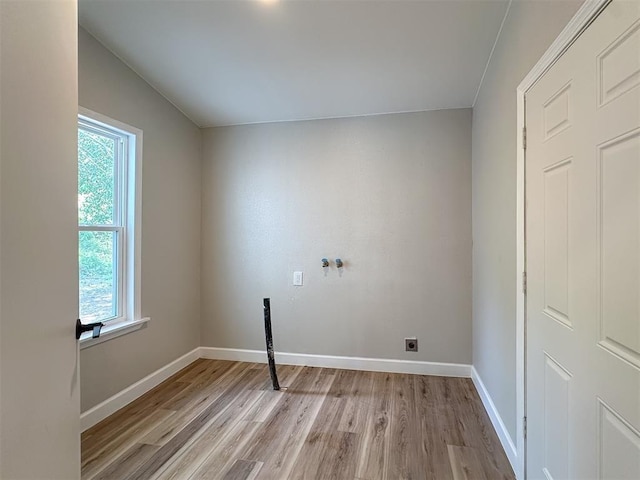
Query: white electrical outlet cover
[{"x": 297, "y": 279}]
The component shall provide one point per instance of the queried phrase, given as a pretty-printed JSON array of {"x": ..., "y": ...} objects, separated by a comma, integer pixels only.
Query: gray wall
[
  {"x": 528, "y": 31},
  {"x": 170, "y": 225},
  {"x": 390, "y": 195}
]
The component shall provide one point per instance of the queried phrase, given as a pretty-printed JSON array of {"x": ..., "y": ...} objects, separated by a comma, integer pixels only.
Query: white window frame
[{"x": 129, "y": 315}]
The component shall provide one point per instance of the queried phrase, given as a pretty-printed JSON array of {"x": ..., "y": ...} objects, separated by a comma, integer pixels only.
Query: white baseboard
[
  {"x": 101, "y": 411},
  {"x": 111, "y": 405},
  {"x": 499, "y": 426},
  {"x": 233, "y": 354},
  {"x": 345, "y": 363}
]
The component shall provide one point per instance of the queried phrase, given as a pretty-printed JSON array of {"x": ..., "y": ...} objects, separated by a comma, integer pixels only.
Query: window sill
[{"x": 111, "y": 331}]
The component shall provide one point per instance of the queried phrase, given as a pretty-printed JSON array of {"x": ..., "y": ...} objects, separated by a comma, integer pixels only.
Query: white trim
[
  {"x": 587, "y": 13},
  {"x": 111, "y": 405},
  {"x": 111, "y": 331},
  {"x": 589, "y": 10},
  {"x": 345, "y": 363},
  {"x": 108, "y": 122},
  {"x": 234, "y": 354},
  {"x": 520, "y": 295},
  {"x": 134, "y": 223},
  {"x": 496, "y": 420},
  {"x": 133, "y": 211},
  {"x": 101, "y": 411}
]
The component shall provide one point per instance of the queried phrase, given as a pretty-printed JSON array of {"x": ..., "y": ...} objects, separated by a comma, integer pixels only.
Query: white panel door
[
  {"x": 39, "y": 394},
  {"x": 583, "y": 256}
]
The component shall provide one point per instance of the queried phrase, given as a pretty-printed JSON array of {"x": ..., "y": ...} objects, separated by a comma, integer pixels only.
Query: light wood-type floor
[{"x": 220, "y": 420}]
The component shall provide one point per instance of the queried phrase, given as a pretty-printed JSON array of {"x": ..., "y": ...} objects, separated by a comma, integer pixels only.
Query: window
[{"x": 108, "y": 219}]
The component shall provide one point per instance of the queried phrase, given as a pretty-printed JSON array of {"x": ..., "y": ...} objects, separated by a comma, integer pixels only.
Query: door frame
[{"x": 587, "y": 13}]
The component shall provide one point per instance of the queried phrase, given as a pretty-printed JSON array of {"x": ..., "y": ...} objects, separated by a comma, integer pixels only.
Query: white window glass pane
[
  {"x": 96, "y": 178},
  {"x": 98, "y": 276}
]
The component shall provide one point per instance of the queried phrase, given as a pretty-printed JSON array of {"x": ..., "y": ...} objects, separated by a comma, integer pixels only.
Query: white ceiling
[{"x": 226, "y": 62}]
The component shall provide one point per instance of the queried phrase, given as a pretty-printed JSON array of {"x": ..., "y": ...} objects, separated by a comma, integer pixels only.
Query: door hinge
[
  {"x": 524, "y": 282},
  {"x": 524, "y": 427},
  {"x": 524, "y": 138}
]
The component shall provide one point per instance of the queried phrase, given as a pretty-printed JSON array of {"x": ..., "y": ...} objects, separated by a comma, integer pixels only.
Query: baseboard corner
[
  {"x": 114, "y": 403},
  {"x": 341, "y": 362},
  {"x": 111, "y": 405}
]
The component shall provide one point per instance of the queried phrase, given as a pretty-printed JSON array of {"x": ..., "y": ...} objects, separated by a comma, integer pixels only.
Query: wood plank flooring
[{"x": 221, "y": 420}]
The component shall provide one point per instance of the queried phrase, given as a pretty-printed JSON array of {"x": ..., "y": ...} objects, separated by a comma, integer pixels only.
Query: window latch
[{"x": 81, "y": 328}]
